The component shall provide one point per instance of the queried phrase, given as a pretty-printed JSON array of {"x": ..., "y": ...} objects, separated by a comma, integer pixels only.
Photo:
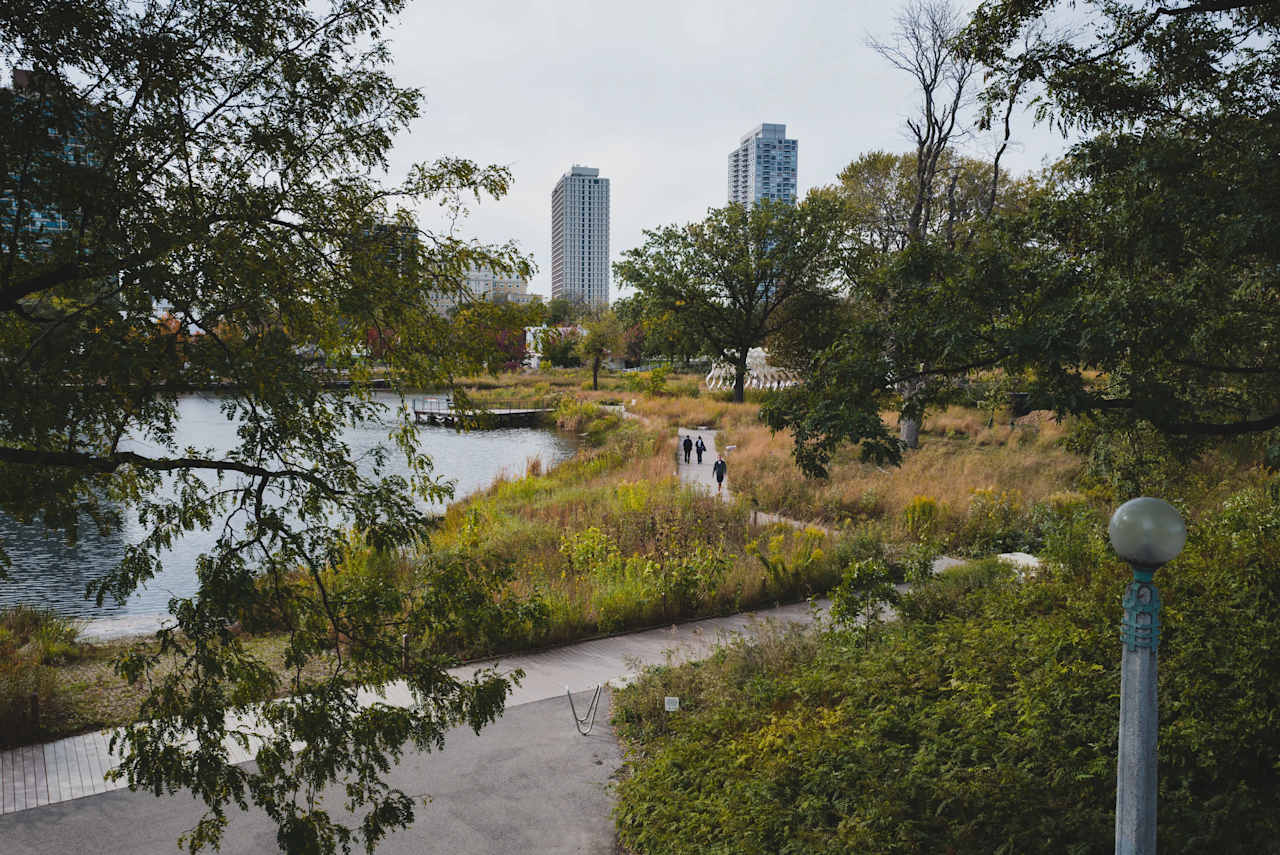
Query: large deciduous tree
[
  {"x": 1162, "y": 229},
  {"x": 923, "y": 46},
  {"x": 742, "y": 275},
  {"x": 191, "y": 200},
  {"x": 1141, "y": 283}
]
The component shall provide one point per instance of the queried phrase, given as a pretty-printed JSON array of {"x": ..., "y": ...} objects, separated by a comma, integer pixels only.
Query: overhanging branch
[{"x": 111, "y": 462}]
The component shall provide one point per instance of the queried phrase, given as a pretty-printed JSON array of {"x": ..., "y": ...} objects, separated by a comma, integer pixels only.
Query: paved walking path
[
  {"x": 699, "y": 474},
  {"x": 71, "y": 768}
]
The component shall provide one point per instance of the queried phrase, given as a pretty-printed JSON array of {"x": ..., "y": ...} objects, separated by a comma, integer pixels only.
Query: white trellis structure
[{"x": 760, "y": 374}]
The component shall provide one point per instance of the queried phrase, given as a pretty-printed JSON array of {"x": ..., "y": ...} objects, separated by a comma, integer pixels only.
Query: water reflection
[{"x": 46, "y": 571}]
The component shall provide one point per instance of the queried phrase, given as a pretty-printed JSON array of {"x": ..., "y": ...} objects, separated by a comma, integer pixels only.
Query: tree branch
[{"x": 111, "y": 462}]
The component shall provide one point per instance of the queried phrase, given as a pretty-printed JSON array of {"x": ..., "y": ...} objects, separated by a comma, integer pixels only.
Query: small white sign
[{"x": 673, "y": 704}]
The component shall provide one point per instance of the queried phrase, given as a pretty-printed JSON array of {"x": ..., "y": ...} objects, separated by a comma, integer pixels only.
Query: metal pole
[{"x": 1136, "y": 763}]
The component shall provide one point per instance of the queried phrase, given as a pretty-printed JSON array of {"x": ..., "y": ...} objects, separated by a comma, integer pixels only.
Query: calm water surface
[{"x": 47, "y": 572}]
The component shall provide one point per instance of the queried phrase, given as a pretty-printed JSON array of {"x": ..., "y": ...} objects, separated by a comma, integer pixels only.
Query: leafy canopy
[
  {"x": 1140, "y": 282},
  {"x": 742, "y": 275},
  {"x": 192, "y": 201}
]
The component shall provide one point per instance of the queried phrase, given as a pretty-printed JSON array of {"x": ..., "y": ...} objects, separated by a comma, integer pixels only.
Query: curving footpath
[{"x": 527, "y": 782}]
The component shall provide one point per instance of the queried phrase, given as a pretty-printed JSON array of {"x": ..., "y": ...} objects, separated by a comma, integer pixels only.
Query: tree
[
  {"x": 603, "y": 336},
  {"x": 561, "y": 311},
  {"x": 741, "y": 275},
  {"x": 1160, "y": 230},
  {"x": 924, "y": 47},
  {"x": 216, "y": 162},
  {"x": 559, "y": 346},
  {"x": 652, "y": 330},
  {"x": 1140, "y": 285},
  {"x": 880, "y": 189}
]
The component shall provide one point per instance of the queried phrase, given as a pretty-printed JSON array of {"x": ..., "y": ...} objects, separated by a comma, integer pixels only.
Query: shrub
[
  {"x": 985, "y": 720},
  {"x": 865, "y": 590},
  {"x": 788, "y": 558},
  {"x": 652, "y": 383},
  {"x": 995, "y": 522},
  {"x": 32, "y": 639},
  {"x": 631, "y": 589},
  {"x": 922, "y": 516}
]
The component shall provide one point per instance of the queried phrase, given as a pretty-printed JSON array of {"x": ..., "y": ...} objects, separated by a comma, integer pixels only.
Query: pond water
[{"x": 45, "y": 571}]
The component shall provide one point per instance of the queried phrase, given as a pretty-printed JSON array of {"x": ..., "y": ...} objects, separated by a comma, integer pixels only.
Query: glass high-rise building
[
  {"x": 763, "y": 166},
  {"x": 580, "y": 237}
]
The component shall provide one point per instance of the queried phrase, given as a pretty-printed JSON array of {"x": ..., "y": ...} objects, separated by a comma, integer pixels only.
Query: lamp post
[{"x": 1147, "y": 533}]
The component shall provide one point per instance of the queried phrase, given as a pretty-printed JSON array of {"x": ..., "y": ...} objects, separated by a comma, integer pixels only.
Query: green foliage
[
  {"x": 559, "y": 347},
  {"x": 922, "y": 516},
  {"x": 31, "y": 640},
  {"x": 236, "y": 179},
  {"x": 578, "y": 416},
  {"x": 602, "y": 338},
  {"x": 865, "y": 591},
  {"x": 742, "y": 275},
  {"x": 984, "y": 720},
  {"x": 1137, "y": 280},
  {"x": 1123, "y": 459},
  {"x": 629, "y": 589},
  {"x": 652, "y": 382},
  {"x": 995, "y": 522},
  {"x": 789, "y": 558},
  {"x": 917, "y": 560}
]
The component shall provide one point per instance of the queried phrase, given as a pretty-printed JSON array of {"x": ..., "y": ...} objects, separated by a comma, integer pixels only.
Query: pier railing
[{"x": 440, "y": 404}]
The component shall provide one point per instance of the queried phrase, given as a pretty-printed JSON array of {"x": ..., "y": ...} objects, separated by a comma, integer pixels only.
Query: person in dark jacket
[
  {"x": 688, "y": 447},
  {"x": 718, "y": 469},
  {"x": 699, "y": 447}
]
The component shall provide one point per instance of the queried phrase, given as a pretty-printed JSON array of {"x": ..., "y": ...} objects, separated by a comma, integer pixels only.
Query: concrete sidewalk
[
  {"x": 72, "y": 768},
  {"x": 529, "y": 783}
]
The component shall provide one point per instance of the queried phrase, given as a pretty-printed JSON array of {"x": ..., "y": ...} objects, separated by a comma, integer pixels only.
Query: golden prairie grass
[{"x": 958, "y": 454}]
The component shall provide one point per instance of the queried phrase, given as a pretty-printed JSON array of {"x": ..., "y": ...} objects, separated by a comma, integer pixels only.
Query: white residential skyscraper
[
  {"x": 580, "y": 237},
  {"x": 763, "y": 166}
]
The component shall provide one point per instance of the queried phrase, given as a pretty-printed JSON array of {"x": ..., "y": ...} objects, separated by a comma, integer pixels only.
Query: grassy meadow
[{"x": 610, "y": 540}]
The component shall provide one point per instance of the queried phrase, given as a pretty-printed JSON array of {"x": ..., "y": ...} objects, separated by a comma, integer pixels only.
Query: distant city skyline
[{"x": 654, "y": 96}]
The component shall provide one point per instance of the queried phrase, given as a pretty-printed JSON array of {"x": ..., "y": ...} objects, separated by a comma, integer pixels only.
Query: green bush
[
  {"x": 789, "y": 558},
  {"x": 983, "y": 721},
  {"x": 995, "y": 523},
  {"x": 653, "y": 383},
  {"x": 634, "y": 588},
  {"x": 31, "y": 640}
]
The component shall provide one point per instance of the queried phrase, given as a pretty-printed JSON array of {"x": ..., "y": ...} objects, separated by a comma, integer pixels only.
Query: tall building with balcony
[
  {"x": 580, "y": 237},
  {"x": 763, "y": 166}
]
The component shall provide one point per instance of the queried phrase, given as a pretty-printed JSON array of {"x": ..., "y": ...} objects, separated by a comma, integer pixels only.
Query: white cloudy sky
[{"x": 655, "y": 94}]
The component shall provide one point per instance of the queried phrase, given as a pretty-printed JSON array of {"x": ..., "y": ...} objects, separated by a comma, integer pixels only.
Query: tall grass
[
  {"x": 662, "y": 550},
  {"x": 31, "y": 641},
  {"x": 957, "y": 456}
]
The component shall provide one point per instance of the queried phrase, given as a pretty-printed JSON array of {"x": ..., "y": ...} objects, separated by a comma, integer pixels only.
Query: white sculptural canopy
[{"x": 760, "y": 374}]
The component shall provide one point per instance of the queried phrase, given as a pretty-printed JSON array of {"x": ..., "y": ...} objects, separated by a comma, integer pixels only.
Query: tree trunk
[
  {"x": 909, "y": 432},
  {"x": 595, "y": 373},
  {"x": 740, "y": 381}
]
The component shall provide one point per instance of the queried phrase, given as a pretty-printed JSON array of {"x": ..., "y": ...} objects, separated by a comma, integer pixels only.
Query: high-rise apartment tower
[
  {"x": 580, "y": 237},
  {"x": 763, "y": 166}
]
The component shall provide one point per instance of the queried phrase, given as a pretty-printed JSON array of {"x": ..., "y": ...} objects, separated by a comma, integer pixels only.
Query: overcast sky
[{"x": 655, "y": 94}]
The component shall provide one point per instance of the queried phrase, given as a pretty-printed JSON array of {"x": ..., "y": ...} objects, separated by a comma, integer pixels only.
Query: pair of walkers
[{"x": 690, "y": 445}]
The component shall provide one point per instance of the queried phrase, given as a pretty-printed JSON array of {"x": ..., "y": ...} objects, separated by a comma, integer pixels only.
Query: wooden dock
[{"x": 441, "y": 411}]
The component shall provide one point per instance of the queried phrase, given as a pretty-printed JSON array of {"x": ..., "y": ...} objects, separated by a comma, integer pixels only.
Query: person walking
[
  {"x": 718, "y": 469},
  {"x": 688, "y": 447},
  {"x": 699, "y": 447}
]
